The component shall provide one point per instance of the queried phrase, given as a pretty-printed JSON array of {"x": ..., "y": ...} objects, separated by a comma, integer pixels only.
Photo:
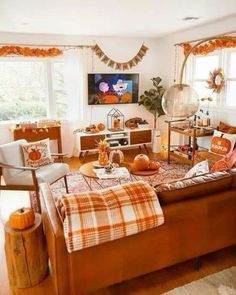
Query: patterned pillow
[
  {"x": 222, "y": 143},
  {"x": 198, "y": 169},
  {"x": 37, "y": 153},
  {"x": 225, "y": 163}
]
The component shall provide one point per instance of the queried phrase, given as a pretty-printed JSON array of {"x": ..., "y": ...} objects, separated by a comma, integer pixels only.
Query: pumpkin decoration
[
  {"x": 153, "y": 165},
  {"x": 141, "y": 162},
  {"x": 220, "y": 145},
  {"x": 34, "y": 155},
  {"x": 116, "y": 156},
  {"x": 22, "y": 218},
  {"x": 101, "y": 127}
]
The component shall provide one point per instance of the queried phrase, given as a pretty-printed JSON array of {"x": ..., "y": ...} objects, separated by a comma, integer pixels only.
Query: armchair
[{"x": 18, "y": 177}]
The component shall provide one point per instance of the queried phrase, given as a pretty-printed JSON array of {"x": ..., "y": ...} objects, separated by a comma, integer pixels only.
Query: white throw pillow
[
  {"x": 198, "y": 169},
  {"x": 37, "y": 153}
]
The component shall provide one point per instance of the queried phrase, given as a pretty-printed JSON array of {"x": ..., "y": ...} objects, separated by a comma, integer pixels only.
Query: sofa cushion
[
  {"x": 233, "y": 173},
  {"x": 194, "y": 187}
]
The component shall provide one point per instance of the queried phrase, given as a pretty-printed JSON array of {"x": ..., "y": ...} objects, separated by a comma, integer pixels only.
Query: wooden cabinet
[
  {"x": 140, "y": 137},
  {"x": 53, "y": 133},
  {"x": 90, "y": 142}
]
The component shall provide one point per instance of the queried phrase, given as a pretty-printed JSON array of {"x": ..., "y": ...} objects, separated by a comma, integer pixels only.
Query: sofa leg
[{"x": 197, "y": 263}]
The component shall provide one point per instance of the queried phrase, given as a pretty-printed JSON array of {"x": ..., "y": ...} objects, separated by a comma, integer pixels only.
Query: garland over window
[
  {"x": 27, "y": 51},
  {"x": 210, "y": 46},
  {"x": 120, "y": 65}
]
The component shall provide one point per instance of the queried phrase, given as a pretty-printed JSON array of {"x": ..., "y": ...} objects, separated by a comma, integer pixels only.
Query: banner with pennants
[{"x": 120, "y": 65}]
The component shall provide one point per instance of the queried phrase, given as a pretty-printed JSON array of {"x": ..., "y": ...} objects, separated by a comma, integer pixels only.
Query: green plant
[{"x": 151, "y": 99}]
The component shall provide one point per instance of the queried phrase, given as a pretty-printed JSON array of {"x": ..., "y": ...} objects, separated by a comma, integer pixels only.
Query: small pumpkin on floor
[{"x": 22, "y": 218}]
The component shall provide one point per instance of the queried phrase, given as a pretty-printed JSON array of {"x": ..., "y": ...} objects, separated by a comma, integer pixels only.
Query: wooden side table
[{"x": 26, "y": 254}]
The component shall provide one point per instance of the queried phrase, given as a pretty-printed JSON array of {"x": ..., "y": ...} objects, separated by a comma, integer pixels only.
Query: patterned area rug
[
  {"x": 77, "y": 183},
  {"x": 221, "y": 283}
]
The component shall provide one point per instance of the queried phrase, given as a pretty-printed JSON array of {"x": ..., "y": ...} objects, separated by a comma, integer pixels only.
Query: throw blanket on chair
[{"x": 96, "y": 217}]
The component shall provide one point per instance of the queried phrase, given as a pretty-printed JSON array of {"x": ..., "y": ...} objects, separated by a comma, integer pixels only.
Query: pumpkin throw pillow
[
  {"x": 228, "y": 162},
  {"x": 222, "y": 143},
  {"x": 37, "y": 153},
  {"x": 198, "y": 169}
]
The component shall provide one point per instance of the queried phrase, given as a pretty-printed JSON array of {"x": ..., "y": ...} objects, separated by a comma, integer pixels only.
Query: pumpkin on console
[
  {"x": 22, "y": 218},
  {"x": 101, "y": 127},
  {"x": 141, "y": 162}
]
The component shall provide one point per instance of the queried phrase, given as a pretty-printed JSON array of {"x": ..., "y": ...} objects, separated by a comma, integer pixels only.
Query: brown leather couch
[{"x": 200, "y": 217}]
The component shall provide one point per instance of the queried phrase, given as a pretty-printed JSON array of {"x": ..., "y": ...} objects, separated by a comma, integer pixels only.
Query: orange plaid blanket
[{"x": 96, "y": 217}]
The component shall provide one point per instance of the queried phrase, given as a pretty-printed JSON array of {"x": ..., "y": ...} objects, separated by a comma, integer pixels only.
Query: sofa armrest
[{"x": 57, "y": 251}]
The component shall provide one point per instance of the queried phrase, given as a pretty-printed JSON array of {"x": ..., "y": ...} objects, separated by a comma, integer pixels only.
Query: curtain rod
[
  {"x": 196, "y": 40},
  {"x": 44, "y": 45}
]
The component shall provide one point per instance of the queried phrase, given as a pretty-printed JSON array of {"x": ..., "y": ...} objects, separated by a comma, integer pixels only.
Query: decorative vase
[
  {"x": 156, "y": 141},
  {"x": 103, "y": 158}
]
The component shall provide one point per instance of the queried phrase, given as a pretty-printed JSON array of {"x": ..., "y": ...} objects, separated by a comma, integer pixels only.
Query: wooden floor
[{"x": 150, "y": 284}]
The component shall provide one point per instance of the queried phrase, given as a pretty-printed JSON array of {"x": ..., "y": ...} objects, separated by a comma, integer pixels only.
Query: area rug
[
  {"x": 76, "y": 182},
  {"x": 220, "y": 283}
]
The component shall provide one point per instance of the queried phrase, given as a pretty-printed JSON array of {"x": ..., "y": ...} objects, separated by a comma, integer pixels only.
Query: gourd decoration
[
  {"x": 116, "y": 156},
  {"x": 154, "y": 165},
  {"x": 22, "y": 218},
  {"x": 141, "y": 162},
  {"x": 101, "y": 127}
]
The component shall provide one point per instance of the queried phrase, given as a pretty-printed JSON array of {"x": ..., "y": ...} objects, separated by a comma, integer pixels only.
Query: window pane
[
  {"x": 203, "y": 91},
  {"x": 22, "y": 90},
  {"x": 204, "y": 65},
  {"x": 231, "y": 93},
  {"x": 232, "y": 67},
  {"x": 59, "y": 90}
]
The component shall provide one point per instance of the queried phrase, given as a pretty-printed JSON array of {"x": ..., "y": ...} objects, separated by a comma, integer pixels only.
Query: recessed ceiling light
[
  {"x": 187, "y": 18},
  {"x": 24, "y": 24}
]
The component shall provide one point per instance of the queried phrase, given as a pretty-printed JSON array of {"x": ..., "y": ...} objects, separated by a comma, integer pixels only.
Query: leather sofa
[{"x": 200, "y": 217}]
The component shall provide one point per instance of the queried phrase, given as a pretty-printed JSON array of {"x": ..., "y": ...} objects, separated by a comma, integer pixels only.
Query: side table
[{"x": 26, "y": 254}]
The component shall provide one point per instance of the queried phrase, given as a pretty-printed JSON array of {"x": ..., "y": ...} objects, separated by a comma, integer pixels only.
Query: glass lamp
[{"x": 181, "y": 100}]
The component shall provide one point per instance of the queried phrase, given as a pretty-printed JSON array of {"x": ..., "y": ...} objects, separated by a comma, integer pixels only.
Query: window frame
[
  {"x": 49, "y": 77},
  {"x": 224, "y": 63}
]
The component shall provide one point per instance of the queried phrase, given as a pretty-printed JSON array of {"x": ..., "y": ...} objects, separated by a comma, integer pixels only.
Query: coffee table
[{"x": 87, "y": 171}]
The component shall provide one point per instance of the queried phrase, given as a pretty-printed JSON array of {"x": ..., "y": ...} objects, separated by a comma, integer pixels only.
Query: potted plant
[{"x": 151, "y": 100}]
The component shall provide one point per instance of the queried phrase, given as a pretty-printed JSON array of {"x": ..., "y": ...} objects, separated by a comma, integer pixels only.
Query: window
[
  {"x": 31, "y": 89},
  {"x": 198, "y": 69}
]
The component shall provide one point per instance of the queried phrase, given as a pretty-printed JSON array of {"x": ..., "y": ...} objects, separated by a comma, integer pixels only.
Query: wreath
[{"x": 216, "y": 80}]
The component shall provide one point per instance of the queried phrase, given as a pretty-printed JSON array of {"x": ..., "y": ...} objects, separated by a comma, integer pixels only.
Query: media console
[{"x": 128, "y": 138}]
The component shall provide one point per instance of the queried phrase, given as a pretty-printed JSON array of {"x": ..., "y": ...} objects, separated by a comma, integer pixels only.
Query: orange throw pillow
[
  {"x": 225, "y": 163},
  {"x": 223, "y": 127}
]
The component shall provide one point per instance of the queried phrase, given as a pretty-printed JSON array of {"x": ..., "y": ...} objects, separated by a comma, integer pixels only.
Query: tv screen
[{"x": 112, "y": 88}]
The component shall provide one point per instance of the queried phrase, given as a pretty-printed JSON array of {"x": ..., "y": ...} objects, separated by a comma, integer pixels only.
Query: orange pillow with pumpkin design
[
  {"x": 222, "y": 143},
  {"x": 37, "y": 153}
]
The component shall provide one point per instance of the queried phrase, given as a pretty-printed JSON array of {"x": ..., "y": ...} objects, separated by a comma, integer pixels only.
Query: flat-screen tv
[{"x": 112, "y": 88}]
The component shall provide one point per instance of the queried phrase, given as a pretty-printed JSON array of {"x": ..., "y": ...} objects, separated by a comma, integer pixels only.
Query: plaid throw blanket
[{"x": 96, "y": 217}]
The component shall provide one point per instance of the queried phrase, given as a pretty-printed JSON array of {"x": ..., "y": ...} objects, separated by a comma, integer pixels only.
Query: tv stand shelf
[{"x": 133, "y": 138}]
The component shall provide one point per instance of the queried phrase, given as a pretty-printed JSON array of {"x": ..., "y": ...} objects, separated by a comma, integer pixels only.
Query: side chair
[{"x": 18, "y": 177}]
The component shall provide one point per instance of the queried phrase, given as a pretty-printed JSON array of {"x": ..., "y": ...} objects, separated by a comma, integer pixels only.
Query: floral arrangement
[
  {"x": 26, "y": 51},
  {"x": 103, "y": 146},
  {"x": 210, "y": 46}
]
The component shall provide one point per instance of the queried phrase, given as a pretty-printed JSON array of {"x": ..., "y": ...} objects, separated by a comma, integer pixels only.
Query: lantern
[{"x": 115, "y": 120}]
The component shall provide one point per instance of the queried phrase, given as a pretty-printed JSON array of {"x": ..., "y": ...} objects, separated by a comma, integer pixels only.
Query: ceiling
[{"x": 133, "y": 18}]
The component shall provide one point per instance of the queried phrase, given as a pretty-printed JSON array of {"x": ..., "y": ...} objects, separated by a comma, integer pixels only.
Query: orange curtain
[
  {"x": 210, "y": 46},
  {"x": 27, "y": 51}
]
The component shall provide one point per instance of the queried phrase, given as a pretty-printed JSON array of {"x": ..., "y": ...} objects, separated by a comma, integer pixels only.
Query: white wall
[{"x": 119, "y": 49}]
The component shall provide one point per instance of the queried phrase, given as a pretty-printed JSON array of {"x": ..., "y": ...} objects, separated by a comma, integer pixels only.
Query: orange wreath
[
  {"x": 210, "y": 46},
  {"x": 26, "y": 51}
]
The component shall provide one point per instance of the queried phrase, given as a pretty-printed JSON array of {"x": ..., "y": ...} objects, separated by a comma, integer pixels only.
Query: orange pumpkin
[
  {"x": 34, "y": 155},
  {"x": 141, "y": 162},
  {"x": 154, "y": 165},
  {"x": 110, "y": 99},
  {"x": 101, "y": 127},
  {"x": 22, "y": 218}
]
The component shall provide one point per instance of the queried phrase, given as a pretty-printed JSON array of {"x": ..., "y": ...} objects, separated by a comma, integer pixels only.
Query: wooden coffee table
[{"x": 90, "y": 176}]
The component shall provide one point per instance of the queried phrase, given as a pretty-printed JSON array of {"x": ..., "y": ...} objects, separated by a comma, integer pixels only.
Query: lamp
[{"x": 181, "y": 100}]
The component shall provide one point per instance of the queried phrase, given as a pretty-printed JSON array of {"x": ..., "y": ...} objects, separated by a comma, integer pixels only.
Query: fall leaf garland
[
  {"x": 27, "y": 51},
  {"x": 120, "y": 65},
  {"x": 210, "y": 46}
]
